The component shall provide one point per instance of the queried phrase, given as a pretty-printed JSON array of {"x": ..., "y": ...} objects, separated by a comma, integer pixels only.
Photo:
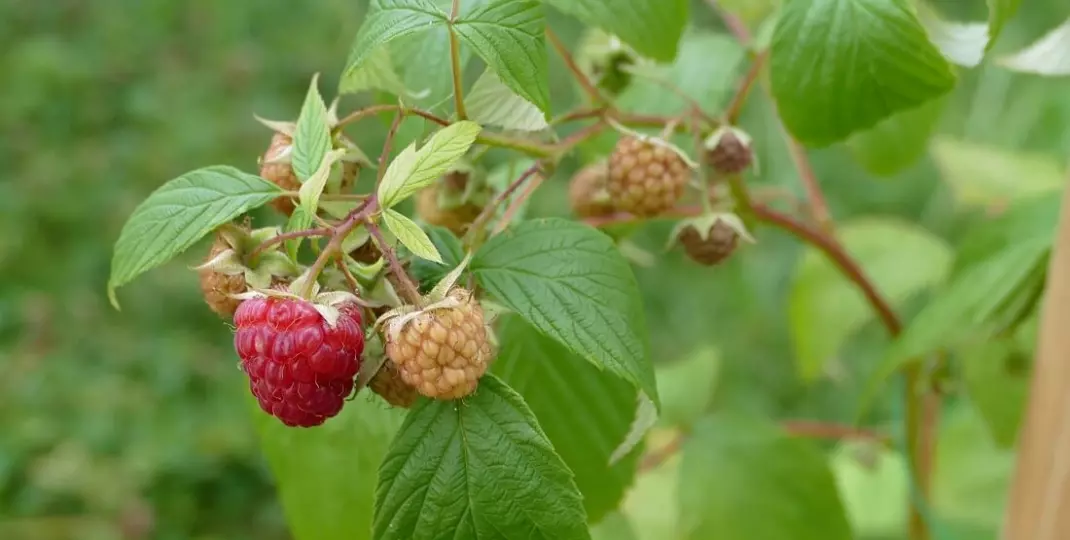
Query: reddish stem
[
  {"x": 408, "y": 288},
  {"x": 735, "y": 107},
  {"x": 275, "y": 240},
  {"x": 480, "y": 223},
  {"x": 589, "y": 88}
]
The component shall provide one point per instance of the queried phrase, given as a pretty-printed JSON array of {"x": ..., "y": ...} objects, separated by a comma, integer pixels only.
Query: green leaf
[
  {"x": 570, "y": 281},
  {"x": 652, "y": 27},
  {"x": 901, "y": 259},
  {"x": 1035, "y": 219},
  {"x": 326, "y": 476},
  {"x": 178, "y": 214},
  {"x": 841, "y": 66},
  {"x": 963, "y": 44},
  {"x": 387, "y": 20},
  {"x": 686, "y": 386},
  {"x": 428, "y": 273},
  {"x": 313, "y": 187},
  {"x": 999, "y": 12},
  {"x": 971, "y": 476},
  {"x": 411, "y": 235},
  {"x": 479, "y": 468},
  {"x": 312, "y": 136},
  {"x": 875, "y": 485},
  {"x": 996, "y": 388},
  {"x": 509, "y": 35},
  {"x": 377, "y": 72},
  {"x": 490, "y": 102},
  {"x": 707, "y": 83},
  {"x": 898, "y": 141},
  {"x": 584, "y": 411},
  {"x": 974, "y": 305},
  {"x": 742, "y": 477},
  {"x": 982, "y": 175},
  {"x": 413, "y": 170},
  {"x": 1049, "y": 55},
  {"x": 299, "y": 221}
]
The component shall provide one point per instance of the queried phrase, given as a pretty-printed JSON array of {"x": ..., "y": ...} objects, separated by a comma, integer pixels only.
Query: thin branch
[
  {"x": 408, "y": 288},
  {"x": 275, "y": 240},
  {"x": 796, "y": 428},
  {"x": 514, "y": 205},
  {"x": 735, "y": 107},
  {"x": 384, "y": 156},
  {"x": 480, "y": 223},
  {"x": 579, "y": 136},
  {"x": 818, "y": 207},
  {"x": 585, "y": 82},
  {"x": 835, "y": 252},
  {"x": 351, "y": 280},
  {"x": 360, "y": 114},
  {"x": 734, "y": 24}
]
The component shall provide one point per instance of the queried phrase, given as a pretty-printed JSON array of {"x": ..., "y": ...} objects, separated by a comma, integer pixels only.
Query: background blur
[{"x": 132, "y": 424}]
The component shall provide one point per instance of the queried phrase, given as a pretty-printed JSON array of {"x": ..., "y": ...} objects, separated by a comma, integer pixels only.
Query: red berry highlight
[{"x": 300, "y": 368}]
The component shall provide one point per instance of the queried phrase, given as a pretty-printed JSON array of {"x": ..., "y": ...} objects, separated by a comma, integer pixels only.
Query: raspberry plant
[{"x": 516, "y": 348}]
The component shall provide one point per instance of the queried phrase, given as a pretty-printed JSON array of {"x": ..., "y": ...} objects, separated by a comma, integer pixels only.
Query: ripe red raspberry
[
  {"x": 646, "y": 178},
  {"x": 587, "y": 192},
  {"x": 300, "y": 368},
  {"x": 281, "y": 172},
  {"x": 218, "y": 286},
  {"x": 390, "y": 386},
  {"x": 729, "y": 153},
  {"x": 455, "y": 217},
  {"x": 710, "y": 249},
  {"x": 442, "y": 352}
]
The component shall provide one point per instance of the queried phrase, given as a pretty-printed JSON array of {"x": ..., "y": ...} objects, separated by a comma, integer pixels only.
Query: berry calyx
[
  {"x": 443, "y": 349},
  {"x": 275, "y": 167},
  {"x": 728, "y": 151},
  {"x": 646, "y": 176},
  {"x": 300, "y": 365},
  {"x": 219, "y": 287},
  {"x": 224, "y": 274},
  {"x": 587, "y": 192}
]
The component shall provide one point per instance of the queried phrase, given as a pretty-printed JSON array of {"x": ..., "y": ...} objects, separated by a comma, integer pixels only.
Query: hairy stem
[
  {"x": 276, "y": 240},
  {"x": 585, "y": 82},
  {"x": 455, "y": 63},
  {"x": 476, "y": 232},
  {"x": 408, "y": 289}
]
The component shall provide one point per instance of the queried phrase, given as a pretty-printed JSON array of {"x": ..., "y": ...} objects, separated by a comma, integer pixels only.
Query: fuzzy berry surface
[
  {"x": 719, "y": 244},
  {"x": 587, "y": 192},
  {"x": 300, "y": 368},
  {"x": 730, "y": 156},
  {"x": 443, "y": 352},
  {"x": 645, "y": 178},
  {"x": 218, "y": 287}
]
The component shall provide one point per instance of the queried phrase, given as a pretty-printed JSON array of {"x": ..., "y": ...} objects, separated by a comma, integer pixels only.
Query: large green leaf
[
  {"x": 480, "y": 468},
  {"x": 413, "y": 170},
  {"x": 585, "y": 412},
  {"x": 571, "y": 283},
  {"x": 705, "y": 82},
  {"x": 840, "y": 66},
  {"x": 981, "y": 175},
  {"x": 898, "y": 141},
  {"x": 997, "y": 380},
  {"x": 742, "y": 477},
  {"x": 178, "y": 214},
  {"x": 651, "y": 27},
  {"x": 326, "y": 476},
  {"x": 312, "y": 136},
  {"x": 491, "y": 103},
  {"x": 509, "y": 35},
  {"x": 901, "y": 259},
  {"x": 386, "y": 21}
]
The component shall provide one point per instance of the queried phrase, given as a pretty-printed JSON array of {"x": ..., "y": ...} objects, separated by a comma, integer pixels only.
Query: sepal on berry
[
  {"x": 704, "y": 224},
  {"x": 728, "y": 150}
]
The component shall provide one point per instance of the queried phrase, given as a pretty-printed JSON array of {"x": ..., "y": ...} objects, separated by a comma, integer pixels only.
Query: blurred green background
[{"x": 132, "y": 425}]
